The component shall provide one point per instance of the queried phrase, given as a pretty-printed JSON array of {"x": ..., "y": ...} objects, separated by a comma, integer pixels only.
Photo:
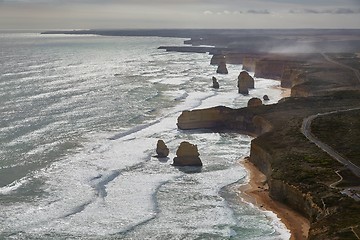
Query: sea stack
[
  {"x": 187, "y": 155},
  {"x": 222, "y": 68},
  {"x": 162, "y": 150},
  {"x": 216, "y": 84},
  {"x": 245, "y": 81},
  {"x": 254, "y": 102}
]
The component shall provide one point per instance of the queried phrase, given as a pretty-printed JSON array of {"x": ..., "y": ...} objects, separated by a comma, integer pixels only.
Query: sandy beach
[{"x": 255, "y": 191}]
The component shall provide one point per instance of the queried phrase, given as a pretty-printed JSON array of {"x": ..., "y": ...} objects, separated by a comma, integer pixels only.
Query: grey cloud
[
  {"x": 256, "y": 11},
  {"x": 326, "y": 11},
  {"x": 346, "y": 11}
]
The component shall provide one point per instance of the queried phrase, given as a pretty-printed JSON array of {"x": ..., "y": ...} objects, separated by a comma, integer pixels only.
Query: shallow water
[{"x": 80, "y": 118}]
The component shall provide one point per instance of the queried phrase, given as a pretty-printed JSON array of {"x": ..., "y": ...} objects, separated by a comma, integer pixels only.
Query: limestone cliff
[
  {"x": 295, "y": 198},
  {"x": 292, "y": 76},
  {"x": 218, "y": 118},
  {"x": 204, "y": 118},
  {"x": 249, "y": 63},
  {"x": 281, "y": 190},
  {"x": 269, "y": 68}
]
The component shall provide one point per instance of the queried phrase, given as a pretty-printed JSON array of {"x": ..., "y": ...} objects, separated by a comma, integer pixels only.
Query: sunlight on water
[{"x": 80, "y": 118}]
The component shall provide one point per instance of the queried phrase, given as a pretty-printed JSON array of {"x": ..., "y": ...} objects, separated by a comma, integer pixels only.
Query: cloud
[
  {"x": 345, "y": 11},
  {"x": 326, "y": 11},
  {"x": 237, "y": 12},
  {"x": 257, "y": 11},
  {"x": 208, "y": 12}
]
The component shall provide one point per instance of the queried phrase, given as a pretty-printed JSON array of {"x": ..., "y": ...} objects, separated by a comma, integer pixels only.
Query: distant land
[
  {"x": 248, "y": 40},
  {"x": 307, "y": 145}
]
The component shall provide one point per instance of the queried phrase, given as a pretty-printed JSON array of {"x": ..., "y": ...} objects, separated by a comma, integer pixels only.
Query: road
[
  {"x": 356, "y": 71},
  {"x": 306, "y": 125},
  {"x": 306, "y": 130}
]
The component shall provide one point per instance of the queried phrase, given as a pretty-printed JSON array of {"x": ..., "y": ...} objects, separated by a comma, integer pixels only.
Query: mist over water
[{"x": 80, "y": 118}]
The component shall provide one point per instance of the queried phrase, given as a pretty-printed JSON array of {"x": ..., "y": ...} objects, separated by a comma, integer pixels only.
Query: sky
[{"x": 143, "y": 14}]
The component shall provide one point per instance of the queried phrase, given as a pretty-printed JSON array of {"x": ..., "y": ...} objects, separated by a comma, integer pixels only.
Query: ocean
[{"x": 80, "y": 119}]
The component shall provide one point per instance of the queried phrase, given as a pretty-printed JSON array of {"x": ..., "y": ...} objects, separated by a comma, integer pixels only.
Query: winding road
[
  {"x": 306, "y": 126},
  {"x": 356, "y": 71},
  {"x": 306, "y": 130}
]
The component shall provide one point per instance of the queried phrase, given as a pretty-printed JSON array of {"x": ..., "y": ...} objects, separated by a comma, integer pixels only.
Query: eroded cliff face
[
  {"x": 281, "y": 190},
  {"x": 261, "y": 159},
  {"x": 211, "y": 118},
  {"x": 261, "y": 125},
  {"x": 240, "y": 120},
  {"x": 295, "y": 198},
  {"x": 266, "y": 68},
  {"x": 291, "y": 77},
  {"x": 249, "y": 63}
]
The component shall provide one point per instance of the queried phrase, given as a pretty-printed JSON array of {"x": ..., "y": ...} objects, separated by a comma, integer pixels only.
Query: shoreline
[{"x": 255, "y": 191}]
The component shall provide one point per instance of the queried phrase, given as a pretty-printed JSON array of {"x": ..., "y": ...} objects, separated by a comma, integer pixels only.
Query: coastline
[{"x": 255, "y": 191}]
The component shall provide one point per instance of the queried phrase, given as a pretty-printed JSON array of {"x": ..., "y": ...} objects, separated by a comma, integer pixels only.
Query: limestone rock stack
[
  {"x": 245, "y": 81},
  {"x": 216, "y": 84},
  {"x": 217, "y": 58},
  {"x": 254, "y": 102},
  {"x": 161, "y": 149},
  {"x": 222, "y": 69},
  {"x": 187, "y": 155}
]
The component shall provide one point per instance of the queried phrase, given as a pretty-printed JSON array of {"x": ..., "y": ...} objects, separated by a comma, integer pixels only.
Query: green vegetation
[
  {"x": 344, "y": 136},
  {"x": 302, "y": 164},
  {"x": 349, "y": 59}
]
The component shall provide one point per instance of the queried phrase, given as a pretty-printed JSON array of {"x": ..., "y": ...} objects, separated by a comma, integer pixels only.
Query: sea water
[{"x": 80, "y": 119}]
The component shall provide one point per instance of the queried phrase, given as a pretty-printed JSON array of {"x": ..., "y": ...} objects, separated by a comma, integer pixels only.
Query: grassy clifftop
[
  {"x": 344, "y": 136},
  {"x": 299, "y": 163}
]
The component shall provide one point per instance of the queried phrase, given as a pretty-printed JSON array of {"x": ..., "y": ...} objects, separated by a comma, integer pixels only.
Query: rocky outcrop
[
  {"x": 187, "y": 155},
  {"x": 254, "y": 102},
  {"x": 161, "y": 149},
  {"x": 216, "y": 59},
  {"x": 216, "y": 84},
  {"x": 222, "y": 69},
  {"x": 245, "y": 81}
]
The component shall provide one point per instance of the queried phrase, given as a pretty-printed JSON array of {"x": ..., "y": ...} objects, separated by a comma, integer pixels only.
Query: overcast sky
[{"x": 86, "y": 14}]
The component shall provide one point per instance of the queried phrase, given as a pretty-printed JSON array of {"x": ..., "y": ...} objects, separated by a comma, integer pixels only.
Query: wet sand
[{"x": 256, "y": 192}]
